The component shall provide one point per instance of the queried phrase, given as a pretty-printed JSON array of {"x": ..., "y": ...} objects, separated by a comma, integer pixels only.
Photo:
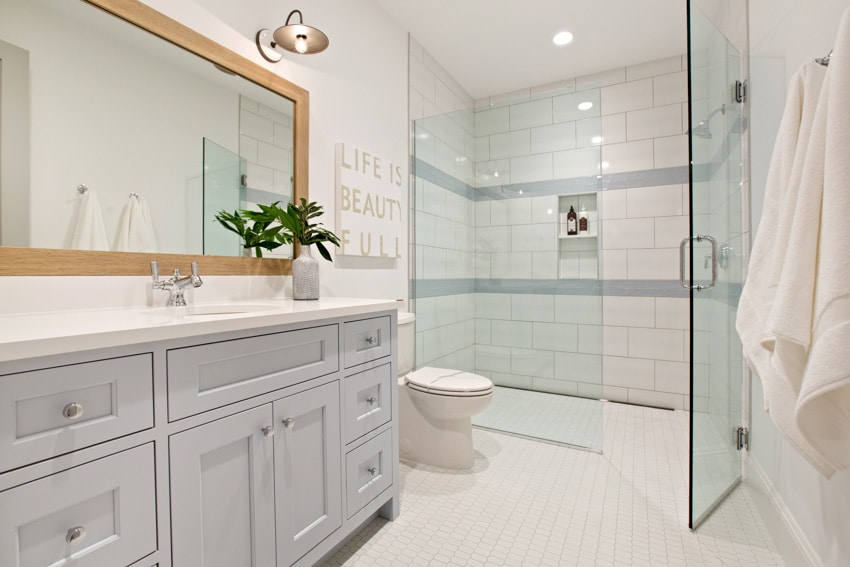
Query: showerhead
[{"x": 703, "y": 130}]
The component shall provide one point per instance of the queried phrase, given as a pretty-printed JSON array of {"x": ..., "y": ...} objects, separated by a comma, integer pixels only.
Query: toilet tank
[{"x": 406, "y": 342}]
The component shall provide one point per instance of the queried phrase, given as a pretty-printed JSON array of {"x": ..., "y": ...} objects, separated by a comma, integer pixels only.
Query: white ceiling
[{"x": 498, "y": 46}]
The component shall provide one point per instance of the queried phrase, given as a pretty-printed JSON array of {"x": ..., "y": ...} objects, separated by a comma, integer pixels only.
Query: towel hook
[
  {"x": 134, "y": 194},
  {"x": 82, "y": 188},
  {"x": 825, "y": 60}
]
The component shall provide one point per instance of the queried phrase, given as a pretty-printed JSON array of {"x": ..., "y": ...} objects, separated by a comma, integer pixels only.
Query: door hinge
[
  {"x": 740, "y": 92},
  {"x": 743, "y": 439}
]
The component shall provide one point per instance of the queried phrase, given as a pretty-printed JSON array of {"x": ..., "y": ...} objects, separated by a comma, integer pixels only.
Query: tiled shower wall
[{"x": 623, "y": 337}]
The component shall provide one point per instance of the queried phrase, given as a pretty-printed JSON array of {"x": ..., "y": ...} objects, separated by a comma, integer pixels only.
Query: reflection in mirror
[{"x": 130, "y": 116}]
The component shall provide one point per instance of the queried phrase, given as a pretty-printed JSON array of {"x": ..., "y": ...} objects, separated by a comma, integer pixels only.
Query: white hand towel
[
  {"x": 89, "y": 230},
  {"x": 134, "y": 232},
  {"x": 151, "y": 233},
  {"x": 823, "y": 407}
]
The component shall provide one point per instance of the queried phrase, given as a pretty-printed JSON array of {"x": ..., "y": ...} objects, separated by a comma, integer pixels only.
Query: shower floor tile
[
  {"x": 528, "y": 503},
  {"x": 551, "y": 417}
]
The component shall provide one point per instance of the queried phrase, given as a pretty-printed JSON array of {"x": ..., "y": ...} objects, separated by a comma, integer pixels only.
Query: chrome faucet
[{"x": 176, "y": 284}]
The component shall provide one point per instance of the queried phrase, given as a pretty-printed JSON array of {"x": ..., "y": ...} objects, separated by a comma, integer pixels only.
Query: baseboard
[{"x": 762, "y": 482}]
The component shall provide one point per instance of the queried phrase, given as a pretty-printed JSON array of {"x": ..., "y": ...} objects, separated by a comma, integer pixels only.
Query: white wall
[{"x": 785, "y": 34}]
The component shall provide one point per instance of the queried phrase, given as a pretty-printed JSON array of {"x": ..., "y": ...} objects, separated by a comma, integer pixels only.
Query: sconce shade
[{"x": 294, "y": 37}]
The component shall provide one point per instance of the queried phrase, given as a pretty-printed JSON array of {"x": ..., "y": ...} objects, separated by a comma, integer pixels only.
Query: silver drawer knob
[
  {"x": 288, "y": 422},
  {"x": 372, "y": 470},
  {"x": 73, "y": 410},
  {"x": 75, "y": 534},
  {"x": 268, "y": 431},
  {"x": 370, "y": 340},
  {"x": 371, "y": 400}
]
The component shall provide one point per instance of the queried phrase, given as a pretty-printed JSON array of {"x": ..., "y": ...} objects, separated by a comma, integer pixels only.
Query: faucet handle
[
  {"x": 155, "y": 270},
  {"x": 196, "y": 277},
  {"x": 194, "y": 269}
]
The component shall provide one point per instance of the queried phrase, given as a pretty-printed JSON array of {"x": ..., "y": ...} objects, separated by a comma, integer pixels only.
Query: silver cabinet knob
[
  {"x": 288, "y": 422},
  {"x": 268, "y": 431},
  {"x": 370, "y": 340},
  {"x": 72, "y": 410},
  {"x": 372, "y": 470},
  {"x": 371, "y": 400},
  {"x": 75, "y": 534}
]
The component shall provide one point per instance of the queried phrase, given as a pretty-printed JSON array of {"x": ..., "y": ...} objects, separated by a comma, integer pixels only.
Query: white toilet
[{"x": 436, "y": 406}]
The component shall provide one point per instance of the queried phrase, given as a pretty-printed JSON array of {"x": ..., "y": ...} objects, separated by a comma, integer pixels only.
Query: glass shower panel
[
  {"x": 716, "y": 272},
  {"x": 501, "y": 287},
  {"x": 221, "y": 183}
]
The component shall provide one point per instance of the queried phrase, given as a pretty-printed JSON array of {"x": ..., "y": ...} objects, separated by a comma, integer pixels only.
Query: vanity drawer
[
  {"x": 208, "y": 376},
  {"x": 368, "y": 471},
  {"x": 48, "y": 412},
  {"x": 101, "y": 514},
  {"x": 366, "y": 340},
  {"x": 367, "y": 401}
]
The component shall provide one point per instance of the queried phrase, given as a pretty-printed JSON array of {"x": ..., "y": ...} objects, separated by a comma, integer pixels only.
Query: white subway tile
[
  {"x": 482, "y": 149},
  {"x": 670, "y": 88},
  {"x": 615, "y": 393},
  {"x": 654, "y": 122},
  {"x": 555, "y": 336},
  {"x": 652, "y": 68},
  {"x": 512, "y": 380},
  {"x": 493, "y": 305},
  {"x": 628, "y": 233},
  {"x": 482, "y": 213},
  {"x": 529, "y": 362},
  {"x": 581, "y": 162},
  {"x": 482, "y": 265},
  {"x": 614, "y": 203},
  {"x": 661, "y": 201},
  {"x": 656, "y": 264},
  {"x": 588, "y": 264},
  {"x": 544, "y": 265},
  {"x": 593, "y": 391},
  {"x": 629, "y": 156},
  {"x": 513, "y": 97},
  {"x": 550, "y": 90},
  {"x": 482, "y": 330},
  {"x": 260, "y": 177},
  {"x": 625, "y": 311},
  {"x": 256, "y": 127},
  {"x": 628, "y": 372},
  {"x": 508, "y": 265},
  {"x": 420, "y": 349},
  {"x": 586, "y": 309},
  {"x": 519, "y": 211},
  {"x": 499, "y": 212},
  {"x": 624, "y": 97},
  {"x": 672, "y": 377},
  {"x": 516, "y": 334},
  {"x": 555, "y": 386},
  {"x": 493, "y": 358},
  {"x": 493, "y": 121},
  {"x": 672, "y": 313},
  {"x": 553, "y": 138},
  {"x": 425, "y": 228},
  {"x": 544, "y": 209},
  {"x": 615, "y": 265},
  {"x": 661, "y": 344},
  {"x": 615, "y": 341},
  {"x": 589, "y": 132},
  {"x": 565, "y": 108},
  {"x": 434, "y": 263},
  {"x": 590, "y": 339},
  {"x": 531, "y": 168},
  {"x": 510, "y": 144},
  {"x": 671, "y": 151},
  {"x": 528, "y": 307},
  {"x": 656, "y": 399},
  {"x": 493, "y": 239},
  {"x": 614, "y": 128},
  {"x": 533, "y": 238},
  {"x": 568, "y": 266},
  {"x": 531, "y": 114},
  {"x": 422, "y": 80},
  {"x": 669, "y": 231},
  {"x": 601, "y": 79},
  {"x": 249, "y": 148},
  {"x": 578, "y": 367}
]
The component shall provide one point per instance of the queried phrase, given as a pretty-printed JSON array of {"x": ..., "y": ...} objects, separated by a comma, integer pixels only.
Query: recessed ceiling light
[
  {"x": 562, "y": 38},
  {"x": 585, "y": 105}
]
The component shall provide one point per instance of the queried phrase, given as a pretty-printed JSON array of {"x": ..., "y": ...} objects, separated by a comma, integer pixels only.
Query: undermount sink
[{"x": 212, "y": 310}]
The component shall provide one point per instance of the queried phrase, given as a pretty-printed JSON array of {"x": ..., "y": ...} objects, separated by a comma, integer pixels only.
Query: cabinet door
[
  {"x": 308, "y": 492},
  {"x": 222, "y": 492}
]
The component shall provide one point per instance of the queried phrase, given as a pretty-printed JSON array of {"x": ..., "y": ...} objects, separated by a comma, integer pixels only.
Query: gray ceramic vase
[{"x": 305, "y": 275}]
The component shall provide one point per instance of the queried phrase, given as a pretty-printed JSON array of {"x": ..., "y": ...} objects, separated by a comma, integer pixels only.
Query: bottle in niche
[
  {"x": 572, "y": 225},
  {"x": 582, "y": 220}
]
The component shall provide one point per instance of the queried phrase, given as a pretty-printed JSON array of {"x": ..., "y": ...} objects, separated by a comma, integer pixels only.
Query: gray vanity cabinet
[{"x": 222, "y": 492}]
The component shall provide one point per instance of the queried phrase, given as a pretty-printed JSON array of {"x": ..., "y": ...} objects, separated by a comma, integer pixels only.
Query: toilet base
[{"x": 444, "y": 443}]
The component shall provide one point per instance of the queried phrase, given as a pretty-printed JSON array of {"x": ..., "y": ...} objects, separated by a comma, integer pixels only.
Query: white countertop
[{"x": 25, "y": 335}]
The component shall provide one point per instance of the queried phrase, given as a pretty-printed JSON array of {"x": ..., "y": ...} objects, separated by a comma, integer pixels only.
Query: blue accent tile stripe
[{"x": 625, "y": 288}]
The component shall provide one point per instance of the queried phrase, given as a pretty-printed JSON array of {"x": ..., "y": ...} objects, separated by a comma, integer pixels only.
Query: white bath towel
[
  {"x": 823, "y": 407},
  {"x": 89, "y": 230},
  {"x": 135, "y": 229},
  {"x": 768, "y": 257}
]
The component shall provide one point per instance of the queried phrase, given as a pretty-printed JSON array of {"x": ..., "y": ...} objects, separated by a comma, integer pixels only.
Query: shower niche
[{"x": 578, "y": 254}]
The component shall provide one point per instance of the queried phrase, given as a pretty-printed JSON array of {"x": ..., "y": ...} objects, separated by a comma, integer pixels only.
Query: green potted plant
[
  {"x": 298, "y": 222},
  {"x": 259, "y": 230}
]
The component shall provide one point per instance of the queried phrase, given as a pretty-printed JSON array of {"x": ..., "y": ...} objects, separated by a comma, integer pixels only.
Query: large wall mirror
[{"x": 109, "y": 101}]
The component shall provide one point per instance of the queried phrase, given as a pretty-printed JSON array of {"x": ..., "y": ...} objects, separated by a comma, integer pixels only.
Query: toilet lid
[{"x": 448, "y": 382}]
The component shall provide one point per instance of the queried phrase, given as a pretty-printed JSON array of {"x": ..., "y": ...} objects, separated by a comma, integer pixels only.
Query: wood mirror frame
[{"x": 50, "y": 262}]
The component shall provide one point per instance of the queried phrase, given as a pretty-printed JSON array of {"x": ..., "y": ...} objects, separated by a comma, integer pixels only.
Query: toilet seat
[{"x": 446, "y": 382}]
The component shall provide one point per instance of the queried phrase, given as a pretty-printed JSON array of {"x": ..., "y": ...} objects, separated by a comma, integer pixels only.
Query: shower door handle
[{"x": 698, "y": 238}]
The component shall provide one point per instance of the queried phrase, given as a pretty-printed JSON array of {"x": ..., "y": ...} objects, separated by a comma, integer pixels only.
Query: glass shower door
[{"x": 714, "y": 264}]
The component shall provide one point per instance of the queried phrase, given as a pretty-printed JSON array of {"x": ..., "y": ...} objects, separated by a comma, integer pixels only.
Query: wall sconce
[{"x": 297, "y": 38}]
